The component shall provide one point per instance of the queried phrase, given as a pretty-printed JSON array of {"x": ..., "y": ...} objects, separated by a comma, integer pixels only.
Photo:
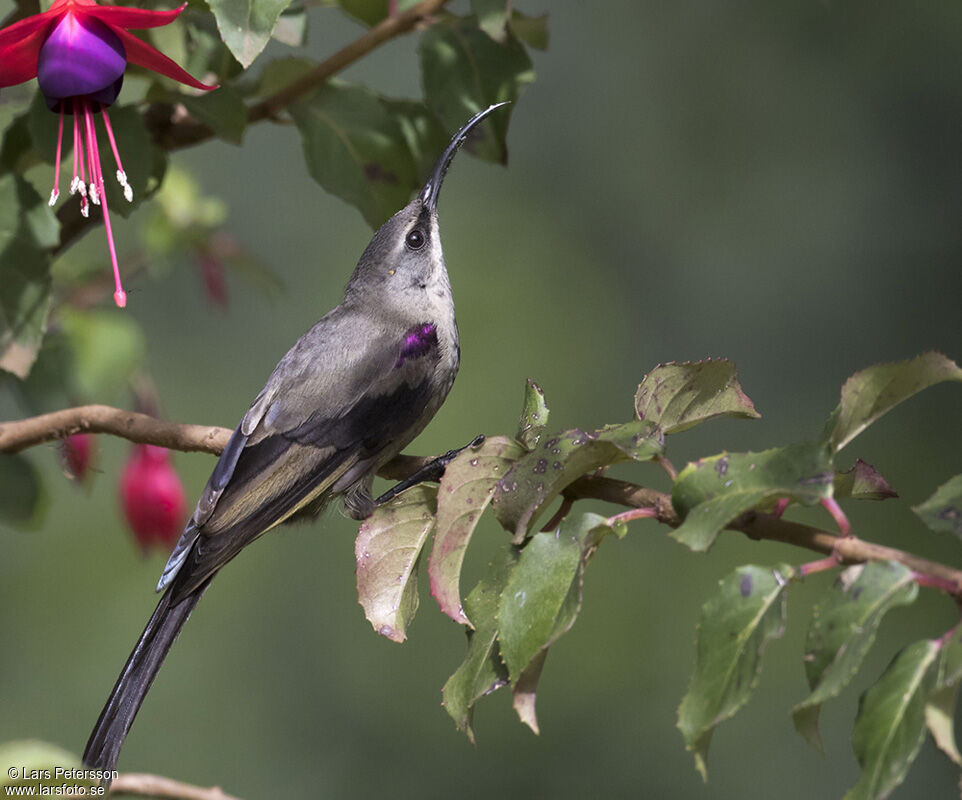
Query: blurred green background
[{"x": 776, "y": 183}]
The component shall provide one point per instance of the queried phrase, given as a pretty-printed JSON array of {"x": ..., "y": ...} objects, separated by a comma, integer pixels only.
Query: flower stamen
[
  {"x": 97, "y": 181},
  {"x": 90, "y": 146},
  {"x": 121, "y": 175},
  {"x": 55, "y": 192},
  {"x": 79, "y": 183}
]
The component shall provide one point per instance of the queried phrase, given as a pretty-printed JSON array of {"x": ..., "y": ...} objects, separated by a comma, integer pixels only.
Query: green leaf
[
  {"x": 246, "y": 25},
  {"x": 464, "y": 71},
  {"x": 940, "y": 720},
  {"x": 711, "y": 492},
  {"x": 387, "y": 550},
  {"x": 107, "y": 346},
  {"x": 465, "y": 491},
  {"x": 25, "y": 288},
  {"x": 736, "y": 623},
  {"x": 206, "y": 50},
  {"x": 47, "y": 388},
  {"x": 280, "y": 72},
  {"x": 525, "y": 691},
  {"x": 862, "y": 482},
  {"x": 940, "y": 709},
  {"x": 534, "y": 415},
  {"x": 21, "y": 493},
  {"x": 482, "y": 670},
  {"x": 186, "y": 208},
  {"x": 16, "y": 152},
  {"x": 42, "y": 125},
  {"x": 355, "y": 149},
  {"x": 32, "y": 764},
  {"x": 543, "y": 594},
  {"x": 371, "y": 12},
  {"x": 560, "y": 459},
  {"x": 291, "y": 27},
  {"x": 88, "y": 358},
  {"x": 843, "y": 628},
  {"x": 144, "y": 162},
  {"x": 222, "y": 110},
  {"x": 677, "y": 396},
  {"x": 942, "y": 512},
  {"x": 525, "y": 688},
  {"x": 171, "y": 40},
  {"x": 423, "y": 132},
  {"x": 890, "y": 724},
  {"x": 492, "y": 16},
  {"x": 533, "y": 31},
  {"x": 868, "y": 394},
  {"x": 950, "y": 664}
]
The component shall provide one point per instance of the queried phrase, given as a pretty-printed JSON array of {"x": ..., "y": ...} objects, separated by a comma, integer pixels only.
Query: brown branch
[
  {"x": 173, "y": 130},
  {"x": 140, "y": 428},
  {"x": 848, "y": 549},
  {"x": 144, "y": 785},
  {"x": 21, "y": 434}
]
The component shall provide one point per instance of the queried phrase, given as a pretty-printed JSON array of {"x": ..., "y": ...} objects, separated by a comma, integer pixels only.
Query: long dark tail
[{"x": 103, "y": 746}]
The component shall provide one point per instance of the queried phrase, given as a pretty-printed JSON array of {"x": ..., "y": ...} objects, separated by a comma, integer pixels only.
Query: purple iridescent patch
[
  {"x": 82, "y": 56},
  {"x": 418, "y": 341}
]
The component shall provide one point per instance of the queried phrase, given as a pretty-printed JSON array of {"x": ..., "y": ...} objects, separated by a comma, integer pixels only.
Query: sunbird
[{"x": 350, "y": 394}]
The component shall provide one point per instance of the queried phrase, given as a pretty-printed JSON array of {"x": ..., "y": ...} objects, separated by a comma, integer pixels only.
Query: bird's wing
[{"x": 331, "y": 404}]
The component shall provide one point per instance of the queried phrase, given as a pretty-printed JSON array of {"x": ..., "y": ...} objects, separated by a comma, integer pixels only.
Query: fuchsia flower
[
  {"x": 78, "y": 52},
  {"x": 153, "y": 498},
  {"x": 77, "y": 454}
]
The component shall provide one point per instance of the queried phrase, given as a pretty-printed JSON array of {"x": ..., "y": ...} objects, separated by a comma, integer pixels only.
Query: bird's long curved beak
[{"x": 431, "y": 190}]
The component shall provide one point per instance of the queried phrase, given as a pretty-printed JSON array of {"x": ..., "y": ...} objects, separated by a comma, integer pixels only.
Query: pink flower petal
[
  {"x": 18, "y": 60},
  {"x": 14, "y": 33},
  {"x": 142, "y": 54},
  {"x": 136, "y": 18}
]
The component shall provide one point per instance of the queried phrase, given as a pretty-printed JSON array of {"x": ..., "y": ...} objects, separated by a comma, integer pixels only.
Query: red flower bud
[
  {"x": 153, "y": 497},
  {"x": 215, "y": 282},
  {"x": 76, "y": 455}
]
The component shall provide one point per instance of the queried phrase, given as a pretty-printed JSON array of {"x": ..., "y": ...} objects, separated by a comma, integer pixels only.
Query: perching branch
[
  {"x": 173, "y": 130},
  {"x": 143, "y": 785},
  {"x": 21, "y": 434},
  {"x": 140, "y": 428},
  {"x": 143, "y": 429}
]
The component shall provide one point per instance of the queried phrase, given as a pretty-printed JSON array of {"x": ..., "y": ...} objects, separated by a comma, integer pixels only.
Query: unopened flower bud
[{"x": 152, "y": 497}]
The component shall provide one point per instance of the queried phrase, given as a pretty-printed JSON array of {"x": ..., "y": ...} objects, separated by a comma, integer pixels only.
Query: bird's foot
[{"x": 432, "y": 471}]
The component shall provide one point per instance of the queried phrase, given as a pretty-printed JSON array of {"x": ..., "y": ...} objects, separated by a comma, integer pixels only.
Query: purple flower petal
[{"x": 82, "y": 56}]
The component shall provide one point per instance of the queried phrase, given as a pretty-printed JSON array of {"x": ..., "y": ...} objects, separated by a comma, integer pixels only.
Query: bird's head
[{"x": 404, "y": 257}]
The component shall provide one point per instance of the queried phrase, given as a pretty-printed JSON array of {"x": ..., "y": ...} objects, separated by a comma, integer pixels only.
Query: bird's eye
[{"x": 415, "y": 240}]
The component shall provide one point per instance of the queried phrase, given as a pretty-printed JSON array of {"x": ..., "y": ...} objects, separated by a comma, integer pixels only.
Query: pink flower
[
  {"x": 77, "y": 454},
  {"x": 78, "y": 52},
  {"x": 152, "y": 497}
]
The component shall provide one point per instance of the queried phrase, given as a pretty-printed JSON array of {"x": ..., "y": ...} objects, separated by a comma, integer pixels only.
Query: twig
[
  {"x": 21, "y": 434},
  {"x": 663, "y": 462},
  {"x": 17, "y": 436},
  {"x": 560, "y": 514},
  {"x": 144, "y": 429},
  {"x": 848, "y": 549},
  {"x": 144, "y": 785},
  {"x": 813, "y": 567},
  {"x": 382, "y": 32}
]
